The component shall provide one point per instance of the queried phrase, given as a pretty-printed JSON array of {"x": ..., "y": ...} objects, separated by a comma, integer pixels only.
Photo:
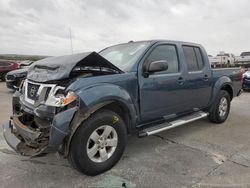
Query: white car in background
[
  {"x": 244, "y": 58},
  {"x": 223, "y": 59}
]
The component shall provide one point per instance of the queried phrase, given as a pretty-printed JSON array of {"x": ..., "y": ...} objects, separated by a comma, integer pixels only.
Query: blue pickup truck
[{"x": 84, "y": 105}]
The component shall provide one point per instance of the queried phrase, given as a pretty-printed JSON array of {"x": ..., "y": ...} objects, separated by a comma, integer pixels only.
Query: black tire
[
  {"x": 214, "y": 115},
  {"x": 3, "y": 77},
  {"x": 78, "y": 155}
]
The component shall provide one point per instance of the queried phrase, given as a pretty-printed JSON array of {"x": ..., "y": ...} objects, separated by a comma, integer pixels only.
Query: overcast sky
[{"x": 42, "y": 26}]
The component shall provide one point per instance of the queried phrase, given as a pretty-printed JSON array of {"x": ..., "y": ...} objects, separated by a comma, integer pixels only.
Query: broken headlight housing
[
  {"x": 61, "y": 100},
  {"x": 48, "y": 94}
]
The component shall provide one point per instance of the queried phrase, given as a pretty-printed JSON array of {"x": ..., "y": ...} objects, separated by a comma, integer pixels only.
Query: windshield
[
  {"x": 124, "y": 56},
  {"x": 245, "y": 54}
]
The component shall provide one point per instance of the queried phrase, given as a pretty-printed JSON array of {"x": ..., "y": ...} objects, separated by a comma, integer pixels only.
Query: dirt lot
[{"x": 199, "y": 154}]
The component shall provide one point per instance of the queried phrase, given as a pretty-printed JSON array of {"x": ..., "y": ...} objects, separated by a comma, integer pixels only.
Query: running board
[{"x": 169, "y": 125}]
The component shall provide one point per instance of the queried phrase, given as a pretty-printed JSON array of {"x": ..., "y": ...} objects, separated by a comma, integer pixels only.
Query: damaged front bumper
[
  {"x": 23, "y": 139},
  {"x": 31, "y": 135}
]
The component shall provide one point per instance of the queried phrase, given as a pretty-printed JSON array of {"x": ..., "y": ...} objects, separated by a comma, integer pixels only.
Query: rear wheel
[
  {"x": 98, "y": 143},
  {"x": 220, "y": 108}
]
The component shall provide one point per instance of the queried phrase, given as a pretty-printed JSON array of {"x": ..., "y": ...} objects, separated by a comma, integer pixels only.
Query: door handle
[
  {"x": 205, "y": 78},
  {"x": 180, "y": 80}
]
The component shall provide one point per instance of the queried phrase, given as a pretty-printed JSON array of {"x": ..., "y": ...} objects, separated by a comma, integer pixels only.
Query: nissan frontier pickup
[{"x": 84, "y": 105}]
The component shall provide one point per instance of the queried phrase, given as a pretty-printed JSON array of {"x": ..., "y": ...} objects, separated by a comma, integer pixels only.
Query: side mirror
[{"x": 157, "y": 66}]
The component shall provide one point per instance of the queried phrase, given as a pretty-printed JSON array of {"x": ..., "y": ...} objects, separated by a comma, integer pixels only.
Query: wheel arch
[
  {"x": 126, "y": 112},
  {"x": 228, "y": 88},
  {"x": 223, "y": 83}
]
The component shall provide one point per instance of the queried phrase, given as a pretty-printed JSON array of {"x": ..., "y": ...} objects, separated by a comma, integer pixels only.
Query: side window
[
  {"x": 193, "y": 58},
  {"x": 168, "y": 53},
  {"x": 199, "y": 58},
  {"x": 190, "y": 58}
]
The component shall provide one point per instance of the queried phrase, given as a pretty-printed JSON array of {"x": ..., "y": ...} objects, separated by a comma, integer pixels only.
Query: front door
[{"x": 162, "y": 93}]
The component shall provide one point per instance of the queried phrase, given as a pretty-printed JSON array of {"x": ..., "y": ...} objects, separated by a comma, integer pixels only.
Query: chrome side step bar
[{"x": 169, "y": 125}]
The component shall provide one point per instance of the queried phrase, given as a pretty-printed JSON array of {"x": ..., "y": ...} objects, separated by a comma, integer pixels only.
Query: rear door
[{"x": 199, "y": 80}]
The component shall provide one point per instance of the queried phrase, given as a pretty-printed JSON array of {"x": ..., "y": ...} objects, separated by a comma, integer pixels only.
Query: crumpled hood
[{"x": 60, "y": 67}]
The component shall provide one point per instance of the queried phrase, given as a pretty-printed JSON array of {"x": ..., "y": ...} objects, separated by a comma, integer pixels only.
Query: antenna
[{"x": 71, "y": 44}]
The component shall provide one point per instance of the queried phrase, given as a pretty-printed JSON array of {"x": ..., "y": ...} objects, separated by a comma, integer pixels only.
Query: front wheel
[
  {"x": 3, "y": 78},
  {"x": 220, "y": 108},
  {"x": 98, "y": 143}
]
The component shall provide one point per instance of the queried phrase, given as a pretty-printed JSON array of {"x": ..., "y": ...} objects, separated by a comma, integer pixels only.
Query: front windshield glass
[
  {"x": 124, "y": 56},
  {"x": 245, "y": 54}
]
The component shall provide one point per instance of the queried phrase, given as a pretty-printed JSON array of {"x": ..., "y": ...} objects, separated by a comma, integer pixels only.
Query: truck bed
[{"x": 232, "y": 73}]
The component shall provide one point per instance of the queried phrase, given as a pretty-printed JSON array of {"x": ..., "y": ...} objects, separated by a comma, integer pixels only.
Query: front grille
[
  {"x": 37, "y": 93},
  {"x": 10, "y": 77},
  {"x": 47, "y": 93},
  {"x": 32, "y": 91}
]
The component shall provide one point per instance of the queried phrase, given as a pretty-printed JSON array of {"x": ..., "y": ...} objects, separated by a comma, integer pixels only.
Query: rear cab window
[{"x": 193, "y": 58}]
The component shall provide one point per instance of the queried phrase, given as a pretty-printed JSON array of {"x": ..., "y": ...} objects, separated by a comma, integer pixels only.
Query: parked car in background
[
  {"x": 7, "y": 66},
  {"x": 246, "y": 81},
  {"x": 25, "y": 63},
  {"x": 222, "y": 59},
  {"x": 84, "y": 105},
  {"x": 14, "y": 78},
  {"x": 243, "y": 59}
]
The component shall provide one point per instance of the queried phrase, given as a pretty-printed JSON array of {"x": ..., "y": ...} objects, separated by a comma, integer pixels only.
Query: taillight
[{"x": 17, "y": 66}]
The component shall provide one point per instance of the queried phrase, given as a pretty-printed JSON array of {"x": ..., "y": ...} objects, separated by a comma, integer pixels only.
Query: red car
[{"x": 6, "y": 66}]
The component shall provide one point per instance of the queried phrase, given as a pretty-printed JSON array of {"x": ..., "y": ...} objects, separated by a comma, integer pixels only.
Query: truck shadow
[{"x": 147, "y": 144}]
